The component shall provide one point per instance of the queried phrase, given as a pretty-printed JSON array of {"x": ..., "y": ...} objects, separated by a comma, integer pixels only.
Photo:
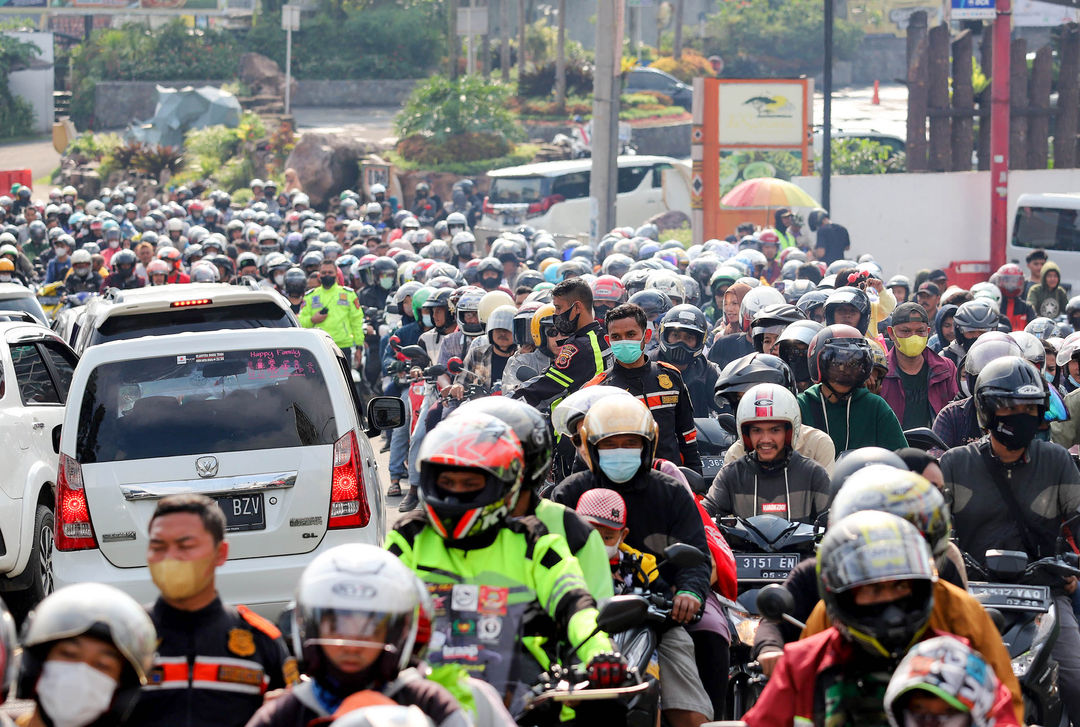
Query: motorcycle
[
  {"x": 475, "y": 389},
  {"x": 714, "y": 437},
  {"x": 1025, "y": 614},
  {"x": 766, "y": 548},
  {"x": 51, "y": 298}
]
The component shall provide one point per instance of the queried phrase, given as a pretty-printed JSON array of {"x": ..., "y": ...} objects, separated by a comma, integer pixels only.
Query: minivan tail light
[
  {"x": 487, "y": 207},
  {"x": 73, "y": 528},
  {"x": 190, "y": 303},
  {"x": 538, "y": 208},
  {"x": 348, "y": 500}
]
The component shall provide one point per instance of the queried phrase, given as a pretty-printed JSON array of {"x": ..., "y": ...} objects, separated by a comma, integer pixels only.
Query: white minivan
[
  {"x": 1050, "y": 222},
  {"x": 554, "y": 196},
  {"x": 264, "y": 421}
]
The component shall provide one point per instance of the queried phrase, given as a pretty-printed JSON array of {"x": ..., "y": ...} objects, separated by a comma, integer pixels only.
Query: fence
[{"x": 959, "y": 123}]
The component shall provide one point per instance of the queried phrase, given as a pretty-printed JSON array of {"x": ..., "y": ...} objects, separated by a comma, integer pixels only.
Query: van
[
  {"x": 554, "y": 196},
  {"x": 266, "y": 422},
  {"x": 1050, "y": 222}
]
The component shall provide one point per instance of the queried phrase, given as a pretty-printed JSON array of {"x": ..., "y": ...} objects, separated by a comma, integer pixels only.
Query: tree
[{"x": 560, "y": 61}]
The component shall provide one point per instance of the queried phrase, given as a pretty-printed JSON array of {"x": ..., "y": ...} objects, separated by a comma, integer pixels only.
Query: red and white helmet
[
  {"x": 769, "y": 403},
  {"x": 608, "y": 289}
]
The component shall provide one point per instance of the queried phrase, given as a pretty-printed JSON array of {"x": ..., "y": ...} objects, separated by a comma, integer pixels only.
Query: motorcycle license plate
[
  {"x": 711, "y": 463},
  {"x": 765, "y": 566},
  {"x": 1011, "y": 597},
  {"x": 243, "y": 512}
]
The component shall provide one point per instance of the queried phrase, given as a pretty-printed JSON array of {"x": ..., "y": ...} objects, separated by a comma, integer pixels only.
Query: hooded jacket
[
  {"x": 957, "y": 423},
  {"x": 863, "y": 420},
  {"x": 796, "y": 488},
  {"x": 940, "y": 383},
  {"x": 739, "y": 291},
  {"x": 937, "y": 341},
  {"x": 1048, "y": 302}
]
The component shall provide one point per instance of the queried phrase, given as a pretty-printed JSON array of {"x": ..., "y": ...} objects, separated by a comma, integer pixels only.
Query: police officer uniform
[
  {"x": 344, "y": 317},
  {"x": 582, "y": 357},
  {"x": 213, "y": 667},
  {"x": 659, "y": 386}
]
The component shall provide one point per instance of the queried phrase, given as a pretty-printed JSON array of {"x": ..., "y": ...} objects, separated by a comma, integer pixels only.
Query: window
[
  {"x": 658, "y": 175},
  {"x": 1051, "y": 228},
  {"x": 630, "y": 178},
  {"x": 203, "y": 403},
  {"x": 63, "y": 362},
  {"x": 648, "y": 81},
  {"x": 571, "y": 186},
  {"x": 35, "y": 385},
  {"x": 183, "y": 320},
  {"x": 516, "y": 190}
]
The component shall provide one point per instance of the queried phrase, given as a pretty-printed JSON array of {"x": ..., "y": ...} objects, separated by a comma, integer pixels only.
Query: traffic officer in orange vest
[{"x": 215, "y": 663}]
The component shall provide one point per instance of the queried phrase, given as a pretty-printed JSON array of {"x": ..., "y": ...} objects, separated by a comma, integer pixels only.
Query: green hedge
[{"x": 16, "y": 115}]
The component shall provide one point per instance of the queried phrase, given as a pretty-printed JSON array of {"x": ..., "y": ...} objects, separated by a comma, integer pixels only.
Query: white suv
[
  {"x": 264, "y": 421},
  {"x": 166, "y": 309},
  {"x": 17, "y": 297},
  {"x": 36, "y": 368}
]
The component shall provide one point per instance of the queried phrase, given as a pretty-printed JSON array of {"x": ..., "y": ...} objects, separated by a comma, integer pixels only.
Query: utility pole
[
  {"x": 676, "y": 46},
  {"x": 454, "y": 40},
  {"x": 607, "y": 84},
  {"x": 826, "y": 130},
  {"x": 290, "y": 21},
  {"x": 504, "y": 39},
  {"x": 999, "y": 135}
]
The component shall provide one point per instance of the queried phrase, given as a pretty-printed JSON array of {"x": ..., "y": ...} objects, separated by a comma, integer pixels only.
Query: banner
[
  {"x": 95, "y": 4},
  {"x": 769, "y": 113},
  {"x": 179, "y": 4},
  {"x": 23, "y": 3}
]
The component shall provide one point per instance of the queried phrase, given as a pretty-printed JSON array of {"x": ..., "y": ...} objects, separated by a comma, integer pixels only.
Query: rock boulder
[
  {"x": 328, "y": 163},
  {"x": 262, "y": 75}
]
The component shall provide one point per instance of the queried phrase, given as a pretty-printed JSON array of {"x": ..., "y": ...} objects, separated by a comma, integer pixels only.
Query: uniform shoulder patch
[
  {"x": 566, "y": 353},
  {"x": 258, "y": 622},
  {"x": 241, "y": 642},
  {"x": 666, "y": 365}
]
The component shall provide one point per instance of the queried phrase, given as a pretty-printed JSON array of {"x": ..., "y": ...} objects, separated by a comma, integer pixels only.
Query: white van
[
  {"x": 264, "y": 421},
  {"x": 1050, "y": 222},
  {"x": 554, "y": 196}
]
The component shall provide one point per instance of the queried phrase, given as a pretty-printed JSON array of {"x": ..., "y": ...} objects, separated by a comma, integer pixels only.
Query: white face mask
[
  {"x": 73, "y": 693},
  {"x": 5, "y": 278},
  {"x": 612, "y": 551},
  {"x": 114, "y": 244},
  {"x": 279, "y": 279}
]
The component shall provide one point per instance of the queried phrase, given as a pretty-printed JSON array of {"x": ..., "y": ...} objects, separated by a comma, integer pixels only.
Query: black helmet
[
  {"x": 701, "y": 269},
  {"x": 793, "y": 345},
  {"x": 1071, "y": 310},
  {"x": 653, "y": 302},
  {"x": 815, "y": 218},
  {"x": 295, "y": 282},
  {"x": 794, "y": 291},
  {"x": 811, "y": 301},
  {"x": 853, "y": 460},
  {"x": 974, "y": 315},
  {"x": 871, "y": 547},
  {"x": 1008, "y": 382},
  {"x": 988, "y": 348},
  {"x": 848, "y": 295},
  {"x": 489, "y": 265},
  {"x": 842, "y": 346},
  {"x": 748, "y": 371},
  {"x": 687, "y": 318},
  {"x": 773, "y": 319},
  {"x": 527, "y": 423},
  {"x": 124, "y": 261},
  {"x": 634, "y": 280},
  {"x": 440, "y": 298}
]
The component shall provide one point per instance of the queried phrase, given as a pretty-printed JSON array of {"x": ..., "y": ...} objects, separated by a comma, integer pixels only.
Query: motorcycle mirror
[
  {"x": 924, "y": 438},
  {"x": 774, "y": 601},
  {"x": 696, "y": 481},
  {"x": 683, "y": 555},
  {"x": 998, "y": 618},
  {"x": 414, "y": 353},
  {"x": 727, "y": 421},
  {"x": 385, "y": 412},
  {"x": 455, "y": 365},
  {"x": 620, "y": 613},
  {"x": 525, "y": 373},
  {"x": 435, "y": 371},
  {"x": 395, "y": 343}
]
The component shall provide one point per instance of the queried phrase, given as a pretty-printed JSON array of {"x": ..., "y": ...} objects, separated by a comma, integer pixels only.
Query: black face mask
[
  {"x": 563, "y": 323},
  {"x": 964, "y": 341},
  {"x": 1015, "y": 431},
  {"x": 489, "y": 283},
  {"x": 327, "y": 280}
]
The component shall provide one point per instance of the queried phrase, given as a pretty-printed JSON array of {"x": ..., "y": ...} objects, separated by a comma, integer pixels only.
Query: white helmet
[
  {"x": 571, "y": 410},
  {"x": 373, "y": 208},
  {"x": 769, "y": 403},
  {"x": 175, "y": 224},
  {"x": 456, "y": 219},
  {"x": 80, "y": 257},
  {"x": 378, "y": 189},
  {"x": 755, "y": 300},
  {"x": 987, "y": 290},
  {"x": 501, "y": 317},
  {"x": 301, "y": 199},
  {"x": 204, "y": 271},
  {"x": 667, "y": 282},
  {"x": 344, "y": 595}
]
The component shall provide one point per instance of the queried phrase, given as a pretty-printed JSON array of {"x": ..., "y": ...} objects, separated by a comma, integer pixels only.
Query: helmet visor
[{"x": 349, "y": 628}]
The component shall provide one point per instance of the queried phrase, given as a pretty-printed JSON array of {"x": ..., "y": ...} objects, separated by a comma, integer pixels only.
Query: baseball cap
[
  {"x": 937, "y": 274},
  {"x": 929, "y": 288},
  {"x": 602, "y": 506},
  {"x": 909, "y": 313}
]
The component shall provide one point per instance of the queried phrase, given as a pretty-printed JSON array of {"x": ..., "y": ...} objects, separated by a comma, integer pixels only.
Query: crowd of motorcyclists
[{"x": 558, "y": 395}]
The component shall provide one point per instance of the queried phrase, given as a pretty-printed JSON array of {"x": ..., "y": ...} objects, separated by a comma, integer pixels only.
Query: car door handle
[{"x": 39, "y": 425}]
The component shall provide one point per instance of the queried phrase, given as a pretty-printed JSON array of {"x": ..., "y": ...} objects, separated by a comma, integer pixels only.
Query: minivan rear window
[
  {"x": 27, "y": 304},
  {"x": 518, "y": 190},
  {"x": 1049, "y": 228},
  {"x": 202, "y": 403},
  {"x": 181, "y": 320}
]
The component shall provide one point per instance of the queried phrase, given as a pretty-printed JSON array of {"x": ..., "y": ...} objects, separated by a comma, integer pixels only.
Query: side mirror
[
  {"x": 774, "y": 602},
  {"x": 455, "y": 365},
  {"x": 727, "y": 421},
  {"x": 414, "y": 352},
  {"x": 395, "y": 344},
  {"x": 525, "y": 373},
  {"x": 620, "y": 613},
  {"x": 56, "y": 438},
  {"x": 696, "y": 481},
  {"x": 682, "y": 555},
  {"x": 385, "y": 412},
  {"x": 435, "y": 371}
]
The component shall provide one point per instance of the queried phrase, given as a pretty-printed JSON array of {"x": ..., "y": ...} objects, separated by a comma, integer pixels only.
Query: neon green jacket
[
  {"x": 344, "y": 319},
  {"x": 481, "y": 594},
  {"x": 585, "y": 544}
]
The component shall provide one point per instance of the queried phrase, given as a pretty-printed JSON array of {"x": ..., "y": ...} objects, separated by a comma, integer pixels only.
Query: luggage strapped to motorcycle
[{"x": 1010, "y": 500}]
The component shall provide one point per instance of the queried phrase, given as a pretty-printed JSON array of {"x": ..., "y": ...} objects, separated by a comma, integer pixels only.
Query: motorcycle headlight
[
  {"x": 1021, "y": 663},
  {"x": 745, "y": 627}
]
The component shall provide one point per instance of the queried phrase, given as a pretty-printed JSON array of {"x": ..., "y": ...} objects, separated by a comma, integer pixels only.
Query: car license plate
[
  {"x": 243, "y": 512},
  {"x": 765, "y": 566},
  {"x": 509, "y": 219},
  {"x": 1011, "y": 597}
]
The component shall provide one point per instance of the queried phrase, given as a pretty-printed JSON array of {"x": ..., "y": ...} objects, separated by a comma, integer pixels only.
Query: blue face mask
[
  {"x": 1049, "y": 378},
  {"x": 426, "y": 318},
  {"x": 626, "y": 352},
  {"x": 620, "y": 465}
]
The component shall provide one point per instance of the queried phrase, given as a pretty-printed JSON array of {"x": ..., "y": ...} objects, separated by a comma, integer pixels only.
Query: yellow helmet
[
  {"x": 541, "y": 317},
  {"x": 492, "y": 300},
  {"x": 548, "y": 261},
  {"x": 6, "y": 266},
  {"x": 613, "y": 415}
]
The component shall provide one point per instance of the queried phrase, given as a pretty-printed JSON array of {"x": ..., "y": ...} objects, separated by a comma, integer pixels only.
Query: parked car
[
  {"x": 168, "y": 309},
  {"x": 554, "y": 196},
  {"x": 653, "y": 79},
  {"x": 18, "y": 297},
  {"x": 264, "y": 421},
  {"x": 896, "y": 144},
  {"x": 1050, "y": 222},
  {"x": 36, "y": 368}
]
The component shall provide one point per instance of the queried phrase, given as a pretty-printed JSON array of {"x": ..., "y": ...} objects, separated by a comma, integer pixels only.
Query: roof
[
  {"x": 552, "y": 169},
  {"x": 14, "y": 290},
  {"x": 208, "y": 341},
  {"x": 1067, "y": 201},
  {"x": 161, "y": 297}
]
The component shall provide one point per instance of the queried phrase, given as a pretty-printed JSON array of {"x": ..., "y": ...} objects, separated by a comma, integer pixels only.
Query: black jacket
[
  {"x": 213, "y": 666},
  {"x": 660, "y": 511},
  {"x": 582, "y": 357},
  {"x": 797, "y": 490},
  {"x": 700, "y": 380},
  {"x": 660, "y": 387}
]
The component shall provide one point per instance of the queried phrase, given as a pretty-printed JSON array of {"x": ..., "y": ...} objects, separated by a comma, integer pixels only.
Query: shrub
[
  {"x": 865, "y": 156},
  {"x": 539, "y": 81},
  {"x": 154, "y": 160},
  {"x": 16, "y": 114},
  {"x": 691, "y": 65},
  {"x": 442, "y": 108},
  {"x": 89, "y": 146}
]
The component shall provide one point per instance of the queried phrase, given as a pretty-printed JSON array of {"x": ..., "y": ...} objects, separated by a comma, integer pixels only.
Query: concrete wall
[
  {"x": 913, "y": 221},
  {"x": 664, "y": 140},
  {"x": 119, "y": 103},
  {"x": 35, "y": 84},
  {"x": 353, "y": 93}
]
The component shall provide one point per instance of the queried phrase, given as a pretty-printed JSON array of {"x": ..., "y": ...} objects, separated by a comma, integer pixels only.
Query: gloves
[{"x": 607, "y": 669}]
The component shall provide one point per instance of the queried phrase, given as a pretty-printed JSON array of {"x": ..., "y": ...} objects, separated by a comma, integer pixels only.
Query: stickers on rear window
[{"x": 209, "y": 357}]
